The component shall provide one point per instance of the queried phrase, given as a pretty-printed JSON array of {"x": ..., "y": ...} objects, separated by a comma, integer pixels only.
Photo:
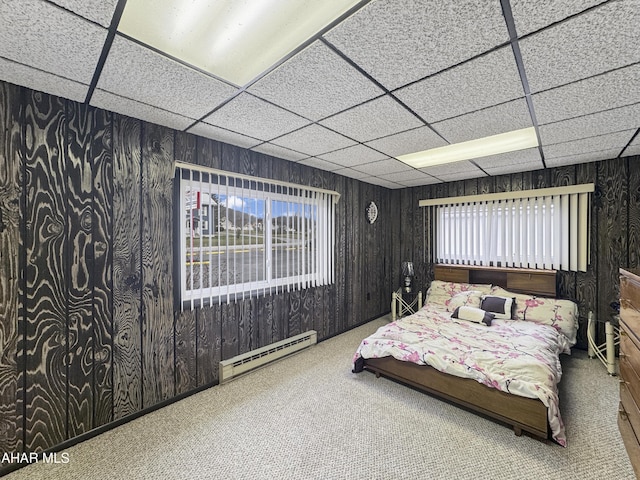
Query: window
[
  {"x": 543, "y": 229},
  {"x": 242, "y": 236}
]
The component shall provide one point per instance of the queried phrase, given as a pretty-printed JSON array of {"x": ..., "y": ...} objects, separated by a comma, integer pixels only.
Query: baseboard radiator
[{"x": 241, "y": 364}]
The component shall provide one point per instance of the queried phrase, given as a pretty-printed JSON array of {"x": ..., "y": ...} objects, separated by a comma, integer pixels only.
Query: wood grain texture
[
  {"x": 418, "y": 234},
  {"x": 294, "y": 314},
  {"x": 208, "y": 152},
  {"x": 486, "y": 185},
  {"x": 127, "y": 181},
  {"x": 186, "y": 367},
  {"x": 338, "y": 310},
  {"x": 185, "y": 322},
  {"x": 46, "y": 336},
  {"x": 157, "y": 265},
  {"x": 318, "y": 317},
  {"x": 306, "y": 309},
  {"x": 246, "y": 321},
  {"x": 102, "y": 223},
  {"x": 80, "y": 268},
  {"x": 612, "y": 232},
  {"x": 265, "y": 317},
  {"x": 10, "y": 194},
  {"x": 503, "y": 183},
  {"x": 209, "y": 350},
  {"x": 586, "y": 282},
  {"x": 229, "y": 330},
  {"x": 633, "y": 166},
  {"x": 354, "y": 256}
]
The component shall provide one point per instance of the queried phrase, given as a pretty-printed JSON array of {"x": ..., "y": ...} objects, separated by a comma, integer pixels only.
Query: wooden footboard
[{"x": 522, "y": 413}]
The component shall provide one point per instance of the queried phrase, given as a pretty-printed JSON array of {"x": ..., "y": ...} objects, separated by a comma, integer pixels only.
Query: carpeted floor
[{"x": 309, "y": 417}]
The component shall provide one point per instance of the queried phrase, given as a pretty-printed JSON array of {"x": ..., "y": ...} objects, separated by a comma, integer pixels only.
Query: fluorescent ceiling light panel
[
  {"x": 480, "y": 147},
  {"x": 235, "y": 40}
]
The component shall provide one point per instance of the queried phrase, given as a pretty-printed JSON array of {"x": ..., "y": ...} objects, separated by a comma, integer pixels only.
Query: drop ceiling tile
[
  {"x": 506, "y": 169},
  {"x": 48, "y": 38},
  {"x": 377, "y": 118},
  {"x": 314, "y": 140},
  {"x": 131, "y": 108},
  {"x": 587, "y": 157},
  {"x": 616, "y": 140},
  {"x": 600, "y": 123},
  {"x": 316, "y": 83},
  {"x": 222, "y": 135},
  {"x": 464, "y": 167},
  {"x": 350, "y": 172},
  {"x": 256, "y": 118},
  {"x": 416, "y": 140},
  {"x": 279, "y": 152},
  {"x": 35, "y": 79},
  {"x": 530, "y": 16},
  {"x": 595, "y": 94},
  {"x": 599, "y": 40},
  {"x": 384, "y": 167},
  {"x": 321, "y": 164},
  {"x": 382, "y": 37},
  {"x": 452, "y": 177},
  {"x": 381, "y": 182},
  {"x": 407, "y": 176},
  {"x": 356, "y": 155},
  {"x": 511, "y": 159},
  {"x": 138, "y": 73},
  {"x": 506, "y": 117},
  {"x": 100, "y": 11},
  {"x": 419, "y": 181},
  {"x": 482, "y": 82}
]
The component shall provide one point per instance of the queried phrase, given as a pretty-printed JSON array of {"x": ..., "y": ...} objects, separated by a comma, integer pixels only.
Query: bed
[{"x": 506, "y": 368}]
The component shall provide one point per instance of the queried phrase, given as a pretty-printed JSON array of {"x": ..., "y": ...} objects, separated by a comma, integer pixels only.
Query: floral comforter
[{"x": 514, "y": 356}]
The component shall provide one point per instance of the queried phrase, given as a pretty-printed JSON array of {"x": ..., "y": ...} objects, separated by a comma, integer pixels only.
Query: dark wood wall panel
[
  {"x": 127, "y": 181},
  {"x": 90, "y": 334},
  {"x": 186, "y": 360},
  {"x": 46, "y": 336},
  {"x": 80, "y": 267},
  {"x": 208, "y": 354},
  {"x": 612, "y": 231},
  {"x": 633, "y": 229},
  {"x": 10, "y": 195},
  {"x": 157, "y": 264},
  {"x": 586, "y": 286},
  {"x": 102, "y": 251},
  {"x": 336, "y": 311}
]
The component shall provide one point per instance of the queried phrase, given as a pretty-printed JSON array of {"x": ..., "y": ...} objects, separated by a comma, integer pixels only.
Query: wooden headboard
[{"x": 518, "y": 280}]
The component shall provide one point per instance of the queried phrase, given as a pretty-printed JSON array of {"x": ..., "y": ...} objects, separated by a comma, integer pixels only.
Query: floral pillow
[
  {"x": 441, "y": 293},
  {"x": 560, "y": 314},
  {"x": 471, "y": 298}
]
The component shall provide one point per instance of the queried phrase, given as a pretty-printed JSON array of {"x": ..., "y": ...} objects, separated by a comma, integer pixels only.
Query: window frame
[{"x": 315, "y": 262}]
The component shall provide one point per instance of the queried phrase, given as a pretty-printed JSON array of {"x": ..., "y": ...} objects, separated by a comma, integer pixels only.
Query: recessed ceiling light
[
  {"x": 480, "y": 147},
  {"x": 235, "y": 40}
]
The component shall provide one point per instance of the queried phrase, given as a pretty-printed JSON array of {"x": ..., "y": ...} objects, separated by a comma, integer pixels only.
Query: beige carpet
[{"x": 309, "y": 417}]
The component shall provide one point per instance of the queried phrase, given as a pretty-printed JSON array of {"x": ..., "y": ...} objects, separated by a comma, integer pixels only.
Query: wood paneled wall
[
  {"x": 614, "y": 235},
  {"x": 89, "y": 333}
]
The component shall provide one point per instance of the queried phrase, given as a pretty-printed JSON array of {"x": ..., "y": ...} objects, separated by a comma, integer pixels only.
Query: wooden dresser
[{"x": 629, "y": 411}]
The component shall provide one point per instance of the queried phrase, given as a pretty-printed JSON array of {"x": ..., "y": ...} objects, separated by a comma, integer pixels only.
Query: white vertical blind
[
  {"x": 241, "y": 236},
  {"x": 544, "y": 229}
]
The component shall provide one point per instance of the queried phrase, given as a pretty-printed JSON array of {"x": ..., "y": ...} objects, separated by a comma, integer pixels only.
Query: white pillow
[{"x": 473, "y": 314}]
